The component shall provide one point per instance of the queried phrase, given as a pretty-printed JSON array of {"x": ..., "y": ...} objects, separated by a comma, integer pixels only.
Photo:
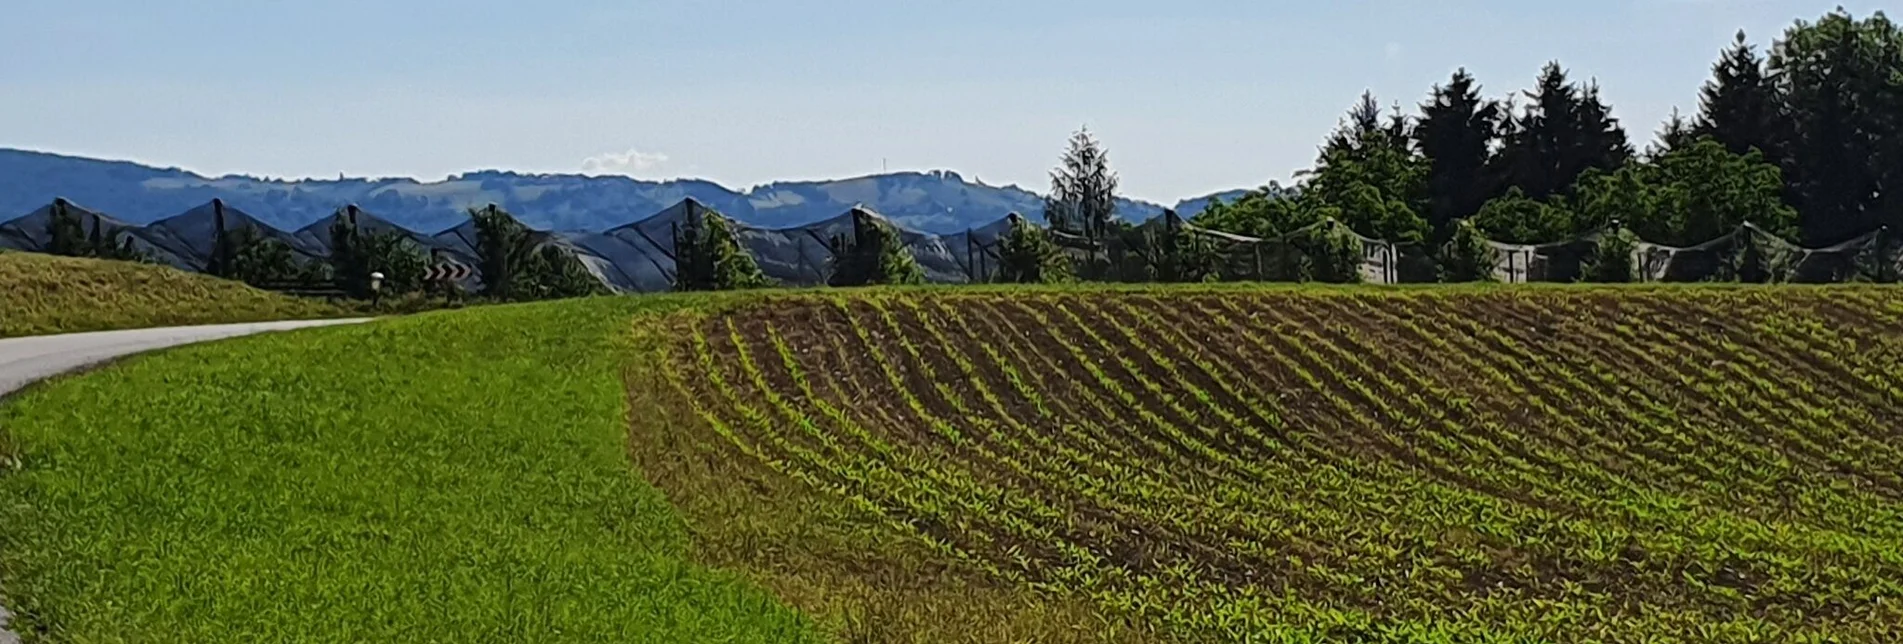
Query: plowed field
[{"x": 1540, "y": 465}]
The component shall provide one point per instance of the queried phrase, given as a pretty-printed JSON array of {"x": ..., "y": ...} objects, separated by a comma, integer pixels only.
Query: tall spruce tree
[
  {"x": 1739, "y": 106},
  {"x": 1564, "y": 131},
  {"x": 1674, "y": 135},
  {"x": 1456, "y": 133},
  {"x": 1083, "y": 198}
]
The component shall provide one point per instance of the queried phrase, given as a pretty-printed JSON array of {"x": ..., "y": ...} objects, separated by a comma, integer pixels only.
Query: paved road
[{"x": 24, "y": 361}]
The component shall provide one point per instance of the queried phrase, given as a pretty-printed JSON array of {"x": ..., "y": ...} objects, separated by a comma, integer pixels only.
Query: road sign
[{"x": 448, "y": 271}]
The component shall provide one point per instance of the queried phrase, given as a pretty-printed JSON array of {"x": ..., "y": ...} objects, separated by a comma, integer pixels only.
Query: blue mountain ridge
[{"x": 939, "y": 202}]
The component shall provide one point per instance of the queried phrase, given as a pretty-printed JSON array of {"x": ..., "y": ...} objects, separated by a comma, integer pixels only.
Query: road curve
[{"x": 24, "y": 361}]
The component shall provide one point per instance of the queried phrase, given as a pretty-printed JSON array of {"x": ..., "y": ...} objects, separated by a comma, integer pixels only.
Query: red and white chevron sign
[{"x": 448, "y": 271}]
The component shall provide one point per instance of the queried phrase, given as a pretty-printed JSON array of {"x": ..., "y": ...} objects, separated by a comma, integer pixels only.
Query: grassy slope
[
  {"x": 452, "y": 477},
  {"x": 42, "y": 294}
]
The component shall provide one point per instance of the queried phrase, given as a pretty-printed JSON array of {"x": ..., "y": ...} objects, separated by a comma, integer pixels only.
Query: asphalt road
[{"x": 24, "y": 361}]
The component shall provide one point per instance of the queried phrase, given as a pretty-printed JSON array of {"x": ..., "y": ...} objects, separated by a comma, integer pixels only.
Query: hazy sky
[{"x": 1191, "y": 97}]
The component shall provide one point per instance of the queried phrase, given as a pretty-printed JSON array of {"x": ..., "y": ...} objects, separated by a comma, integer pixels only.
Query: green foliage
[
  {"x": 1841, "y": 84},
  {"x": 1467, "y": 256},
  {"x": 1704, "y": 191},
  {"x": 1515, "y": 218},
  {"x": 519, "y": 264},
  {"x": 1267, "y": 212},
  {"x": 1738, "y": 107},
  {"x": 356, "y": 253},
  {"x": 1564, "y": 131},
  {"x": 1180, "y": 256},
  {"x": 1368, "y": 179},
  {"x": 873, "y": 254},
  {"x": 709, "y": 258},
  {"x": 1613, "y": 259},
  {"x": 1331, "y": 252},
  {"x": 1456, "y": 134},
  {"x": 1026, "y": 255},
  {"x": 1083, "y": 197},
  {"x": 258, "y": 260}
]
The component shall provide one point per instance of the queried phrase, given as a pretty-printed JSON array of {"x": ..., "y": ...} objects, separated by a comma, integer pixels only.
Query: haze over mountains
[{"x": 934, "y": 202}]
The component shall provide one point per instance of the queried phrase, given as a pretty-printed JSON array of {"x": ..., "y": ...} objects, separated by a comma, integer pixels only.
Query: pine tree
[
  {"x": 1456, "y": 133},
  {"x": 1565, "y": 130},
  {"x": 1675, "y": 134},
  {"x": 1083, "y": 199},
  {"x": 1738, "y": 107}
]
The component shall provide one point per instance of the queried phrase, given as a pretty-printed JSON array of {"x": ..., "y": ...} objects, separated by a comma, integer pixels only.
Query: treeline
[{"x": 1803, "y": 141}]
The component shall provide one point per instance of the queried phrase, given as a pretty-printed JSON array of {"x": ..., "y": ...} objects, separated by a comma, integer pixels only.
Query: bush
[{"x": 1467, "y": 256}]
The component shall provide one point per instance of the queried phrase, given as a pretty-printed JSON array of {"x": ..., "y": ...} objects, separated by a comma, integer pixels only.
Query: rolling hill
[{"x": 934, "y": 202}]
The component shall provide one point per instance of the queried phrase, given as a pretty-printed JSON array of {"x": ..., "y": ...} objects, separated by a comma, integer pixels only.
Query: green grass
[
  {"x": 41, "y": 294},
  {"x": 449, "y": 477}
]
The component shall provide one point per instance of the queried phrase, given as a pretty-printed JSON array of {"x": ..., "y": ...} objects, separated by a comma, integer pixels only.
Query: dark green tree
[
  {"x": 1841, "y": 81},
  {"x": 1369, "y": 178},
  {"x": 258, "y": 260},
  {"x": 1330, "y": 252},
  {"x": 1026, "y": 255},
  {"x": 520, "y": 264},
  {"x": 1564, "y": 131},
  {"x": 1456, "y": 133},
  {"x": 873, "y": 253},
  {"x": 66, "y": 234},
  {"x": 709, "y": 258},
  {"x": 1739, "y": 106},
  {"x": 1083, "y": 198},
  {"x": 1676, "y": 133},
  {"x": 1179, "y": 255}
]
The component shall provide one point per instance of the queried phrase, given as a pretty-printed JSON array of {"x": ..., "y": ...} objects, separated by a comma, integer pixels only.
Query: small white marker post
[{"x": 376, "y": 288}]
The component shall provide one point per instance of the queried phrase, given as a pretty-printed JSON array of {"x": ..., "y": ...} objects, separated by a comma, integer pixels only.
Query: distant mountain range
[{"x": 939, "y": 202}]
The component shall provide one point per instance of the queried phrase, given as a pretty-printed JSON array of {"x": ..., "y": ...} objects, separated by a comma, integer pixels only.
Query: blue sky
[{"x": 1191, "y": 97}]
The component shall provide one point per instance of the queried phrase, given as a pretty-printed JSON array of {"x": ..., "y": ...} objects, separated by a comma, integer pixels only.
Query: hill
[
  {"x": 936, "y": 202},
  {"x": 46, "y": 294}
]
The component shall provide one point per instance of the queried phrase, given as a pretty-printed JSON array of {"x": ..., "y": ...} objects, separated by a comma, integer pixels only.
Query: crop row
[{"x": 1616, "y": 465}]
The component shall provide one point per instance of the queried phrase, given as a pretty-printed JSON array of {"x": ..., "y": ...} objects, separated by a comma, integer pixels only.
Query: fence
[{"x": 1747, "y": 253}]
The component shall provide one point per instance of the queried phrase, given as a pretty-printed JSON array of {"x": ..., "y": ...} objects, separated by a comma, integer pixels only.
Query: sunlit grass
[
  {"x": 41, "y": 294},
  {"x": 454, "y": 477}
]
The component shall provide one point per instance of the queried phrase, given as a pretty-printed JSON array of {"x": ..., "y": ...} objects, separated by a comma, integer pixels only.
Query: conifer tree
[
  {"x": 1083, "y": 198},
  {"x": 1456, "y": 133},
  {"x": 1738, "y": 107}
]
